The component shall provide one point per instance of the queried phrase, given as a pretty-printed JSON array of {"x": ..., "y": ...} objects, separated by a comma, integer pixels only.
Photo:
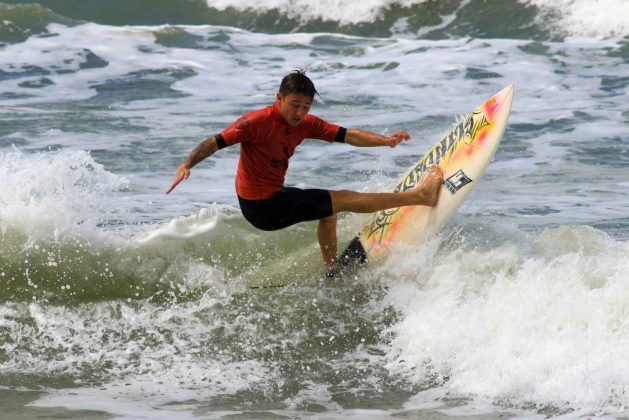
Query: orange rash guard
[{"x": 267, "y": 142}]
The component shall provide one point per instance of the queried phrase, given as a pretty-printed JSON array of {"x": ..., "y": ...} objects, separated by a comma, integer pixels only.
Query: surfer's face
[{"x": 294, "y": 107}]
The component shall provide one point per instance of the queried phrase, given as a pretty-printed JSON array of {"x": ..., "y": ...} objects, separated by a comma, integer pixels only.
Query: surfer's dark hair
[{"x": 297, "y": 82}]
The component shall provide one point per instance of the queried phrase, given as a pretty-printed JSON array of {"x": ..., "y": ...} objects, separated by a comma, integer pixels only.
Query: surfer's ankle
[{"x": 332, "y": 270}]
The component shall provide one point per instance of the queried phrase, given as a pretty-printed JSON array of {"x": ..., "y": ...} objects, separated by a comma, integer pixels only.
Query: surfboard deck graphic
[{"x": 463, "y": 154}]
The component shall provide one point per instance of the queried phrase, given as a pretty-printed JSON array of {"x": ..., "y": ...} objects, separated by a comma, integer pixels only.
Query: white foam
[
  {"x": 516, "y": 325},
  {"x": 582, "y": 18},
  {"x": 142, "y": 354},
  {"x": 64, "y": 50},
  {"x": 587, "y": 18},
  {"x": 191, "y": 226},
  {"x": 343, "y": 12},
  {"x": 45, "y": 193}
]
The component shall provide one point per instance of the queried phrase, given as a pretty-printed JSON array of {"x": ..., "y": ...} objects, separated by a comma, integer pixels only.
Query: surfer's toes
[
  {"x": 437, "y": 173},
  {"x": 430, "y": 186}
]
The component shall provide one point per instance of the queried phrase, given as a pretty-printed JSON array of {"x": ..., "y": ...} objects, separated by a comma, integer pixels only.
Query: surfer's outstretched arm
[
  {"x": 203, "y": 150},
  {"x": 364, "y": 138}
]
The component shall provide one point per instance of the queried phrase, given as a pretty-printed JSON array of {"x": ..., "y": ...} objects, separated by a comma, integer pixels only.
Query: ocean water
[{"x": 119, "y": 301}]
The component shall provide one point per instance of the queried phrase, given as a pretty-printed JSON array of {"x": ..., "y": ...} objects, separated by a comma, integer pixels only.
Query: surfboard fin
[{"x": 353, "y": 256}]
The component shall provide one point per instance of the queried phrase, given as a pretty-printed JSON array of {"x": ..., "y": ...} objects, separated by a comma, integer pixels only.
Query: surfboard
[{"x": 463, "y": 154}]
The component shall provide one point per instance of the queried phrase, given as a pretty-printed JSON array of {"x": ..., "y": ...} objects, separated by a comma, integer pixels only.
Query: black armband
[
  {"x": 340, "y": 135},
  {"x": 220, "y": 141}
]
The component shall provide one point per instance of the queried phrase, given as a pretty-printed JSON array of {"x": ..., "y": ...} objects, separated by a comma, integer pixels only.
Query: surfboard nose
[
  {"x": 506, "y": 94},
  {"x": 499, "y": 106}
]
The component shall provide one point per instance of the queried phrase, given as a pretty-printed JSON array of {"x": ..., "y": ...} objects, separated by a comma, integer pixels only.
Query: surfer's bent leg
[
  {"x": 294, "y": 205},
  {"x": 326, "y": 235}
]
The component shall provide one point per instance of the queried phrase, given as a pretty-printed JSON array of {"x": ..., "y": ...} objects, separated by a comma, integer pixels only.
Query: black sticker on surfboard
[{"x": 457, "y": 181}]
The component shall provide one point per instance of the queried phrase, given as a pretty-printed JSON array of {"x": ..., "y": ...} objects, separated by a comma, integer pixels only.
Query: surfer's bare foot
[{"x": 428, "y": 191}]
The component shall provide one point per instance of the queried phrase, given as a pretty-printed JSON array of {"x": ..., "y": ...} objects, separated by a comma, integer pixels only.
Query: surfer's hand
[
  {"x": 397, "y": 138},
  {"x": 183, "y": 172}
]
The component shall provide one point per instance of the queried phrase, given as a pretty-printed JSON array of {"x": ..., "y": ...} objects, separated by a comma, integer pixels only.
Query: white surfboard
[{"x": 463, "y": 154}]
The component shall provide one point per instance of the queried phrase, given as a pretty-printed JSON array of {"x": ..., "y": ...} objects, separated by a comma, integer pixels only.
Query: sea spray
[{"x": 541, "y": 325}]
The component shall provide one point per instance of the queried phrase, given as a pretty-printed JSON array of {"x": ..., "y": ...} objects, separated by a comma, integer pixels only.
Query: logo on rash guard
[{"x": 242, "y": 123}]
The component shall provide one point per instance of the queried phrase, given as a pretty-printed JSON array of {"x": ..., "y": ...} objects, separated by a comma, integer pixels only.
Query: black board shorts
[{"x": 287, "y": 207}]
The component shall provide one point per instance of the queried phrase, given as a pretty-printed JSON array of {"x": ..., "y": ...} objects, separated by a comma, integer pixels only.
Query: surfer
[{"x": 268, "y": 138}]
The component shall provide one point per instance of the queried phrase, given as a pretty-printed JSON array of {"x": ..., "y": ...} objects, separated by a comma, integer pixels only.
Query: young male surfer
[{"x": 268, "y": 138}]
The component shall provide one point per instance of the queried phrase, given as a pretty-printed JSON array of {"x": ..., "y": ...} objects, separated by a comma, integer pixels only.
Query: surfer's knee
[{"x": 340, "y": 199}]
